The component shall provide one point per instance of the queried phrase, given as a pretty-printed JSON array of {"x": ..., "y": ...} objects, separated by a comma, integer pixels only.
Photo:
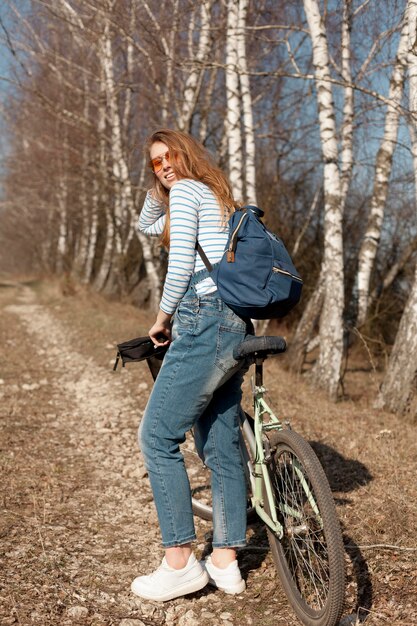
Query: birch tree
[
  {"x": 383, "y": 167},
  {"x": 348, "y": 103},
  {"x": 327, "y": 368},
  {"x": 124, "y": 210},
  {"x": 399, "y": 388},
  {"x": 239, "y": 124},
  {"x": 233, "y": 108},
  {"x": 62, "y": 200},
  {"x": 247, "y": 110},
  {"x": 304, "y": 339},
  {"x": 195, "y": 75}
]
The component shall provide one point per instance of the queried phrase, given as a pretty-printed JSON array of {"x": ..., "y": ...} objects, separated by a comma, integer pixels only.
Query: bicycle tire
[
  {"x": 201, "y": 498},
  {"x": 309, "y": 559}
]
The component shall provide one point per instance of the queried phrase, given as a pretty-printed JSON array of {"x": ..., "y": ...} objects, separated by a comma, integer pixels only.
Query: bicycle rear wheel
[{"x": 310, "y": 556}]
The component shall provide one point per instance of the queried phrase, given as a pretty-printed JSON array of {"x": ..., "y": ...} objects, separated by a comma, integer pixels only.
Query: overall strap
[{"x": 198, "y": 277}]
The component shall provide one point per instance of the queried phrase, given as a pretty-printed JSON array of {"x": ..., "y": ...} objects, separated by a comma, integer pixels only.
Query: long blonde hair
[{"x": 189, "y": 159}]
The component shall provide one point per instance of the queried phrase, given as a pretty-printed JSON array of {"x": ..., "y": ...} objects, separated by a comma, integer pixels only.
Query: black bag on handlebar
[{"x": 139, "y": 349}]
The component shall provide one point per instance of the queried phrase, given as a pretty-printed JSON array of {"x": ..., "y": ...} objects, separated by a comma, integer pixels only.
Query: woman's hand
[{"x": 160, "y": 333}]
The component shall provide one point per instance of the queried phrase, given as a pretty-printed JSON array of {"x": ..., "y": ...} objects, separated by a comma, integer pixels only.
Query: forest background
[{"x": 309, "y": 106}]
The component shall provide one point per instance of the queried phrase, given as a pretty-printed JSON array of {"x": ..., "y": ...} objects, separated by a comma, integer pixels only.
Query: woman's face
[{"x": 160, "y": 158}]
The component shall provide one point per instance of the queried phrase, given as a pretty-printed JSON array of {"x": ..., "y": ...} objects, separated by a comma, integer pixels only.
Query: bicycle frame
[{"x": 265, "y": 421}]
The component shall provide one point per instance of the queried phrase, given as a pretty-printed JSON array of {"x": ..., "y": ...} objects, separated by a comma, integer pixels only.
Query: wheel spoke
[
  {"x": 304, "y": 542},
  {"x": 309, "y": 557}
]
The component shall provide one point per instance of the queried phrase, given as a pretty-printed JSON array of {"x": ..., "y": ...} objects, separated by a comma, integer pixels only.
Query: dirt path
[
  {"x": 78, "y": 521},
  {"x": 79, "y": 517}
]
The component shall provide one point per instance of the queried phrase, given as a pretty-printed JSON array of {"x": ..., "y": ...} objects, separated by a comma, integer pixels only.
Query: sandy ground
[{"x": 78, "y": 521}]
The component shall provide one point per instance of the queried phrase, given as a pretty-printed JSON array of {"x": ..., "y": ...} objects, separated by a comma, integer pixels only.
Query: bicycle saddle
[{"x": 259, "y": 347}]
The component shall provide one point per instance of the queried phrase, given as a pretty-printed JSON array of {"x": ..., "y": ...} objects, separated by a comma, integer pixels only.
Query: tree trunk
[
  {"x": 304, "y": 335},
  {"x": 233, "y": 112},
  {"x": 248, "y": 123},
  {"x": 348, "y": 104},
  {"x": 195, "y": 76},
  {"x": 92, "y": 239},
  {"x": 399, "y": 390},
  {"x": 107, "y": 258},
  {"x": 83, "y": 234},
  {"x": 206, "y": 106},
  {"x": 124, "y": 203},
  {"x": 62, "y": 249},
  {"x": 168, "y": 46},
  {"x": 393, "y": 271},
  {"x": 326, "y": 372},
  {"x": 383, "y": 168}
]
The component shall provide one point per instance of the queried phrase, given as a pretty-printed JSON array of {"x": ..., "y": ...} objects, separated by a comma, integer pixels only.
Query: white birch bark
[
  {"x": 106, "y": 260},
  {"x": 170, "y": 64},
  {"x": 124, "y": 204},
  {"x": 100, "y": 199},
  {"x": 327, "y": 368},
  {"x": 62, "y": 202},
  {"x": 113, "y": 116},
  {"x": 304, "y": 336},
  {"x": 92, "y": 239},
  {"x": 398, "y": 391},
  {"x": 348, "y": 103},
  {"x": 247, "y": 109},
  {"x": 62, "y": 243},
  {"x": 107, "y": 257},
  {"x": 130, "y": 218},
  {"x": 81, "y": 250},
  {"x": 383, "y": 168},
  {"x": 195, "y": 76},
  {"x": 129, "y": 64},
  {"x": 233, "y": 108},
  {"x": 99, "y": 194}
]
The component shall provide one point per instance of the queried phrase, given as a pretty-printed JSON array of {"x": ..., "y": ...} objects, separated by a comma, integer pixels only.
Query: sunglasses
[{"x": 157, "y": 163}]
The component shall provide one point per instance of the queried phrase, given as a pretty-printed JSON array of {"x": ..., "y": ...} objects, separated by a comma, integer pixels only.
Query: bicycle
[{"x": 289, "y": 491}]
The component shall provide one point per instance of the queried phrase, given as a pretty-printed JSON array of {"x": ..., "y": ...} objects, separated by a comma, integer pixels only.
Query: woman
[{"x": 199, "y": 384}]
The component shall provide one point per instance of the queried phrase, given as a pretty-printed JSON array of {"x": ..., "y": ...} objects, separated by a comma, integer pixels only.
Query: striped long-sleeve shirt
[{"x": 194, "y": 214}]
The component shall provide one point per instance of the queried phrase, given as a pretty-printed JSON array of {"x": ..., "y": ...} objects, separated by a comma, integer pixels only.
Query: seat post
[{"x": 259, "y": 372}]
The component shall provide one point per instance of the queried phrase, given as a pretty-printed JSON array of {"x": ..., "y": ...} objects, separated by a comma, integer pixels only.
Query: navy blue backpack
[{"x": 255, "y": 276}]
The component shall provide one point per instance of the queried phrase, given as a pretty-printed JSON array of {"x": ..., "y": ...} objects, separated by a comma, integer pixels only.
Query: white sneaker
[
  {"x": 228, "y": 579},
  {"x": 167, "y": 583}
]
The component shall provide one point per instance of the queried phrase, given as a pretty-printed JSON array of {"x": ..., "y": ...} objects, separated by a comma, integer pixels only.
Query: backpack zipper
[
  {"x": 278, "y": 270},
  {"x": 232, "y": 245}
]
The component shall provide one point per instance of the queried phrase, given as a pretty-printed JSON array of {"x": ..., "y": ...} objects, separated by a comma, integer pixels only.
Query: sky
[{"x": 5, "y": 59}]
